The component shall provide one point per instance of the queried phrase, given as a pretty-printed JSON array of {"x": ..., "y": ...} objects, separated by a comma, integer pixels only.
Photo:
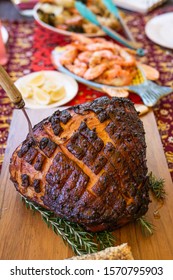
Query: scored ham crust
[{"x": 88, "y": 164}]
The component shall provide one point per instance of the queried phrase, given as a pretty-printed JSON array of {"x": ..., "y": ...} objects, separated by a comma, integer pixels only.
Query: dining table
[
  {"x": 26, "y": 56},
  {"x": 28, "y": 48}
]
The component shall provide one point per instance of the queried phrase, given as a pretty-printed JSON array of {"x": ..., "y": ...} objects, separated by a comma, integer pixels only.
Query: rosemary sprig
[
  {"x": 146, "y": 227},
  {"x": 157, "y": 187},
  {"x": 105, "y": 240},
  {"x": 80, "y": 241},
  {"x": 83, "y": 242}
]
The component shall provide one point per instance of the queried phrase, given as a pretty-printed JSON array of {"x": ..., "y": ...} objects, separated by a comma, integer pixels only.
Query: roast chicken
[{"x": 87, "y": 164}]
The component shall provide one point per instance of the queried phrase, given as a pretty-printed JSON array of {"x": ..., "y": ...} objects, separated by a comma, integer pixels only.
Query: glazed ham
[{"x": 88, "y": 164}]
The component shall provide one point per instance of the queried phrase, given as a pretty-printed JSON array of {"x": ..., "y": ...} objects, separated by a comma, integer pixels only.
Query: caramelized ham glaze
[{"x": 88, "y": 165}]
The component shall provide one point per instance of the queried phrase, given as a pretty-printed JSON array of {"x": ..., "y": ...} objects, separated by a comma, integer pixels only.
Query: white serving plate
[
  {"x": 71, "y": 88},
  {"x": 160, "y": 30}
]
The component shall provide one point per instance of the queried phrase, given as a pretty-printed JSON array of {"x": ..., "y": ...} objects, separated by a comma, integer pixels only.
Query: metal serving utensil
[
  {"x": 90, "y": 16},
  {"x": 114, "y": 10},
  {"x": 15, "y": 96}
]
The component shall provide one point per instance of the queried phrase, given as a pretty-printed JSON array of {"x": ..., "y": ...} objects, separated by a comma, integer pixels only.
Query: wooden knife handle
[{"x": 11, "y": 90}]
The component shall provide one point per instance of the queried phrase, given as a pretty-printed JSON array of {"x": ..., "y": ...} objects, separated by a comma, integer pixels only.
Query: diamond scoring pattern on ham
[{"x": 88, "y": 166}]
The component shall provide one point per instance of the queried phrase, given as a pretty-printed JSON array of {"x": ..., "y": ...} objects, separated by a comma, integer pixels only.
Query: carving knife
[{"x": 14, "y": 95}]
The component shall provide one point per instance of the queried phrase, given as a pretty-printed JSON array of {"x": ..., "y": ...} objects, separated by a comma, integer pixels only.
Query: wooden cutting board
[{"x": 25, "y": 236}]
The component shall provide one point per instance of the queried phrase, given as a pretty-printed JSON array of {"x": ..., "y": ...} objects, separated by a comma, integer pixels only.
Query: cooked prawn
[
  {"x": 79, "y": 63},
  {"x": 85, "y": 56},
  {"x": 124, "y": 78},
  {"x": 79, "y": 47},
  {"x": 97, "y": 57},
  {"x": 94, "y": 72},
  {"x": 81, "y": 39},
  {"x": 100, "y": 46},
  {"x": 129, "y": 60},
  {"x": 69, "y": 55},
  {"x": 76, "y": 69},
  {"x": 111, "y": 73}
]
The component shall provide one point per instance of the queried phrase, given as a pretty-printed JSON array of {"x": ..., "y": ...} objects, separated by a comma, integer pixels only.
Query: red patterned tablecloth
[{"x": 29, "y": 49}]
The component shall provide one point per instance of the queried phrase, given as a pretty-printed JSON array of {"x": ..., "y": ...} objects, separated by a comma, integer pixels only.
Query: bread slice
[{"x": 121, "y": 252}]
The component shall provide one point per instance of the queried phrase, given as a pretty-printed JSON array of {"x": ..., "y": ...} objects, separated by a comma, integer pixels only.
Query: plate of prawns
[{"x": 98, "y": 62}]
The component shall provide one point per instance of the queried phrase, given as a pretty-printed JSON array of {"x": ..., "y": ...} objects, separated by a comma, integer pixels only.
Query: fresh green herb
[
  {"x": 105, "y": 239},
  {"x": 146, "y": 227},
  {"x": 83, "y": 242},
  {"x": 157, "y": 187},
  {"x": 80, "y": 241}
]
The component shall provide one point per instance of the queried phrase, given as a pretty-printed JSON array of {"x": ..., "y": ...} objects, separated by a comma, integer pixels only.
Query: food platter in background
[
  {"x": 108, "y": 67},
  {"x": 46, "y": 25},
  {"x": 46, "y": 18},
  {"x": 46, "y": 89},
  {"x": 56, "y": 54}
]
